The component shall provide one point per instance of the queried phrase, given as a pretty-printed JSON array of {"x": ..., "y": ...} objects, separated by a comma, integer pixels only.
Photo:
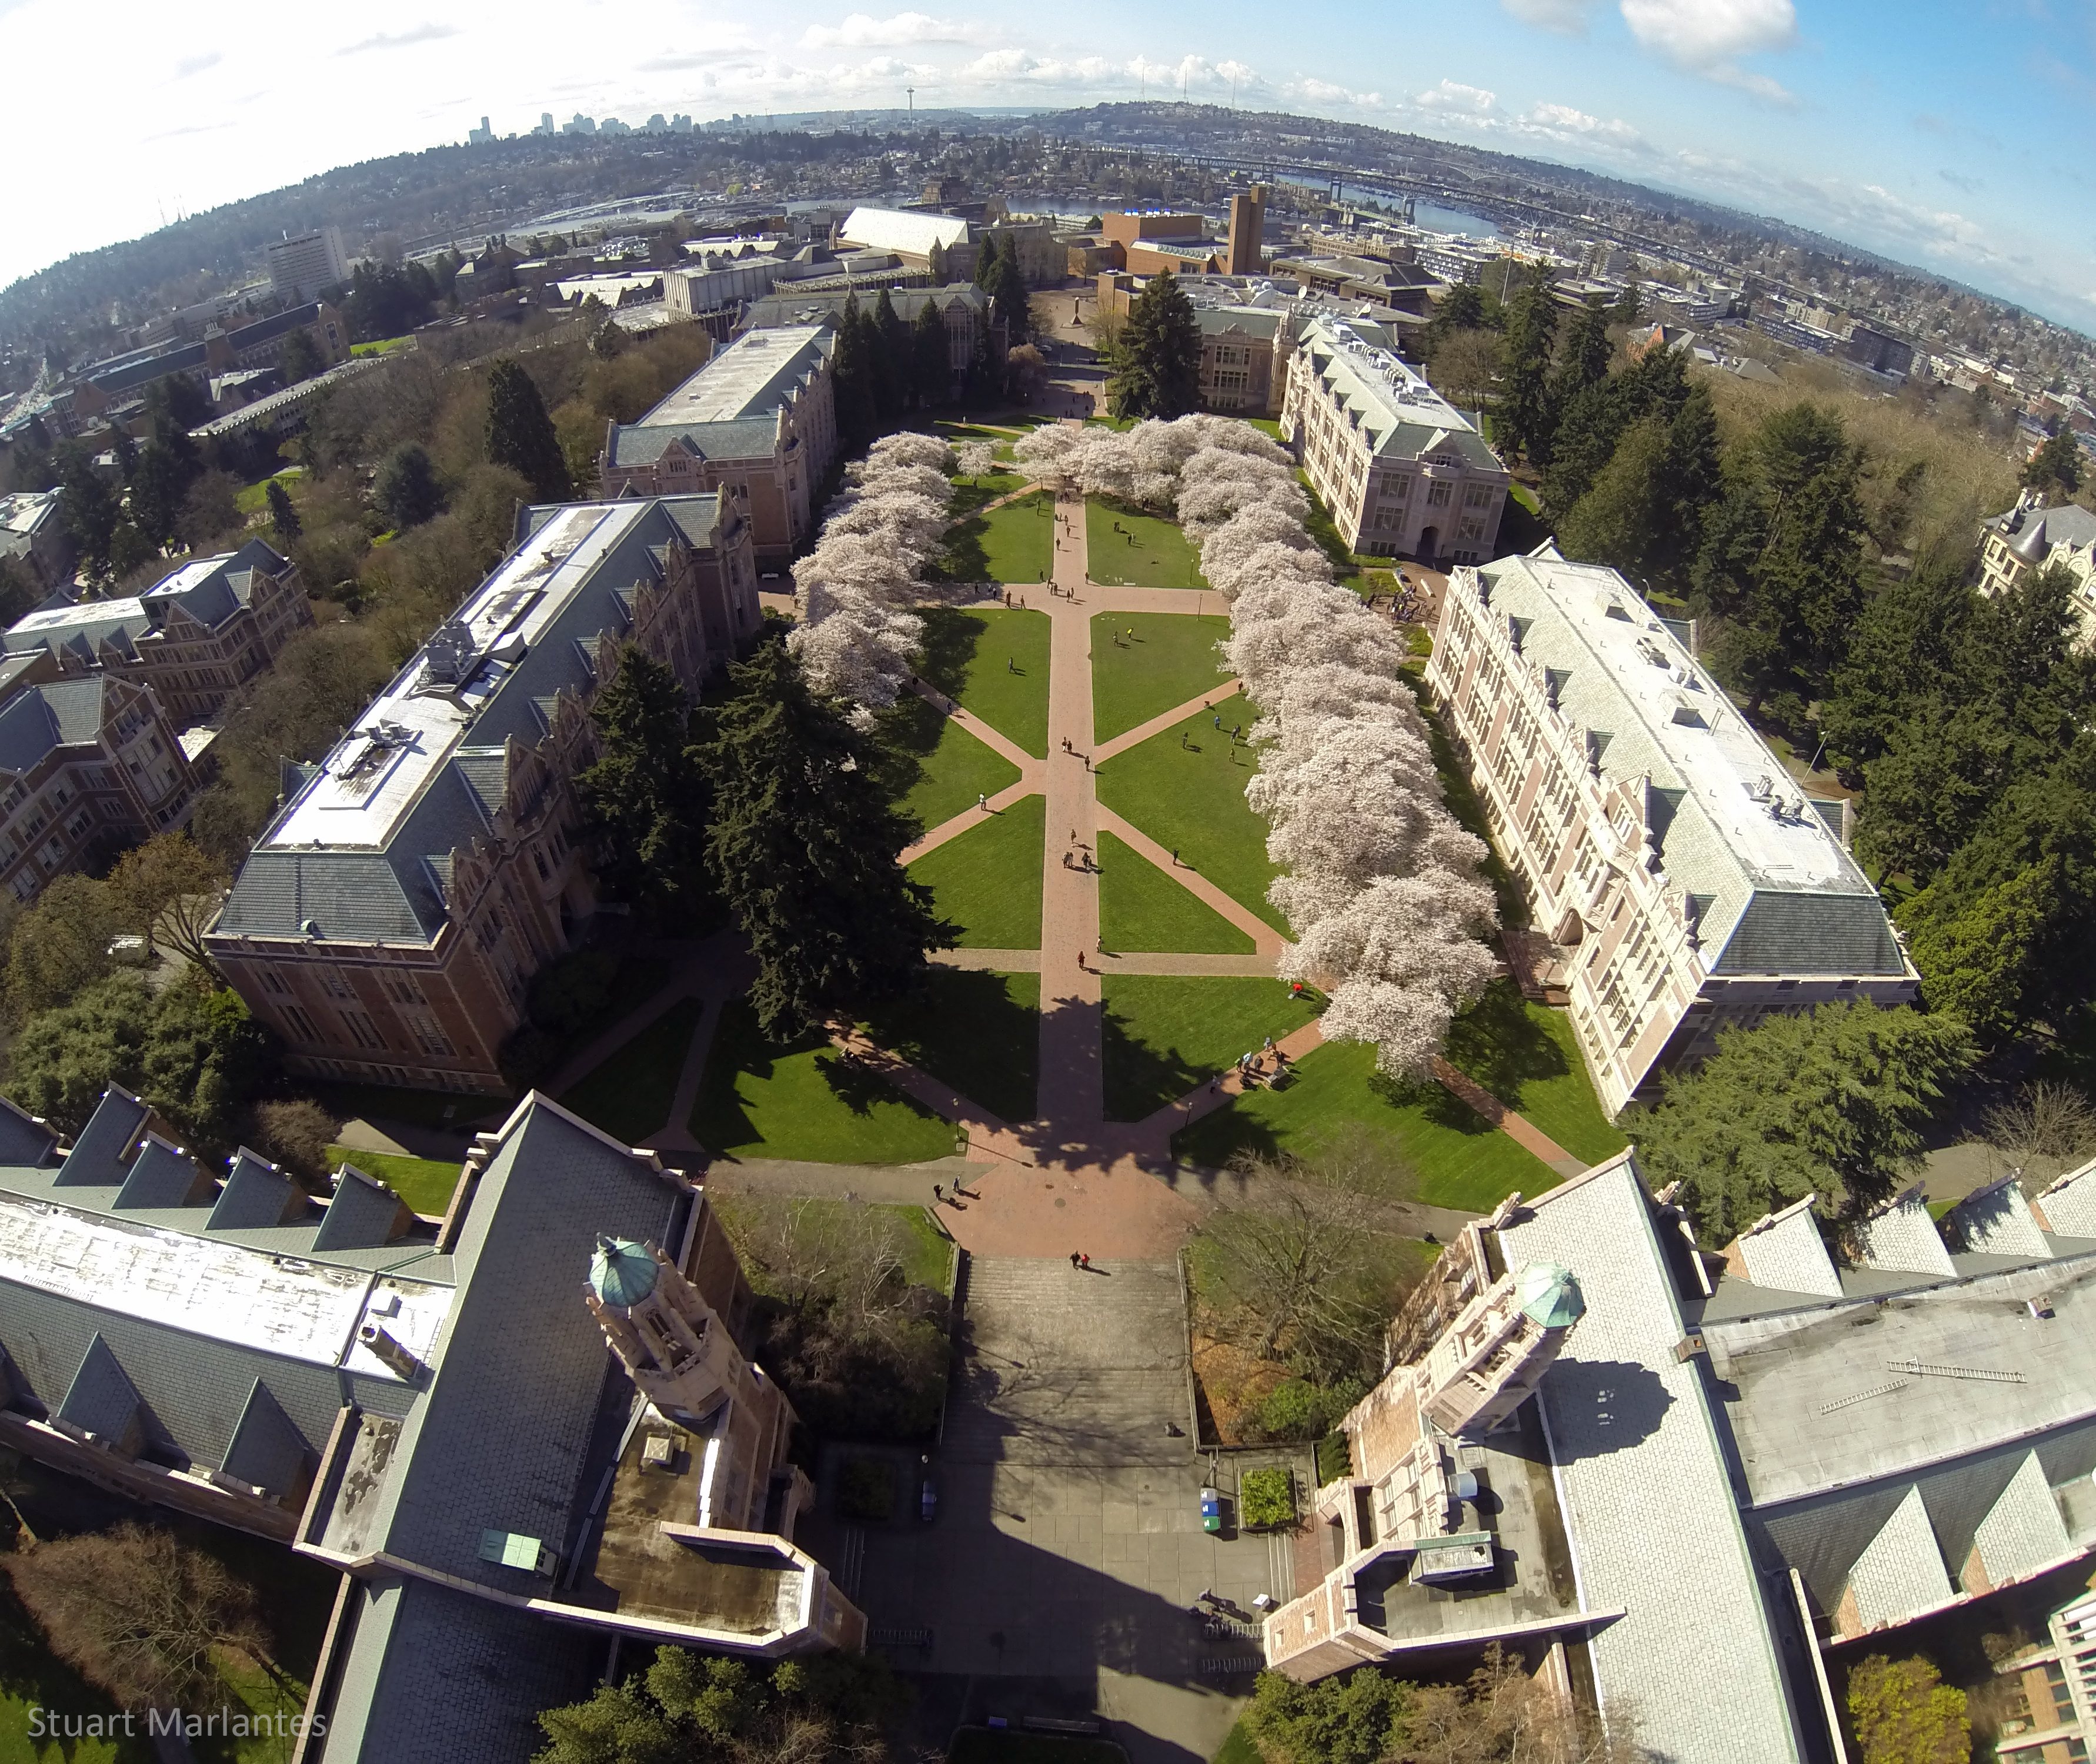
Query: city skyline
[{"x": 1887, "y": 130}]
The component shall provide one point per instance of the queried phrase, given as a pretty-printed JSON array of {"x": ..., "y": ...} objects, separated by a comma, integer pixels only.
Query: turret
[{"x": 676, "y": 1351}]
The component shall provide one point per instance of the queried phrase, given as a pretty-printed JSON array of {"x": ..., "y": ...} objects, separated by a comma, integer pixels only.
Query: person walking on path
[
  {"x": 1175, "y": 857},
  {"x": 938, "y": 1193},
  {"x": 1080, "y": 960},
  {"x": 982, "y": 801},
  {"x": 1074, "y": 1259},
  {"x": 1085, "y": 1262}
]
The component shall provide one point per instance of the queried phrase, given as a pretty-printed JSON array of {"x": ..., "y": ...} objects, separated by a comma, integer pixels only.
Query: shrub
[
  {"x": 1335, "y": 1459},
  {"x": 1266, "y": 1498},
  {"x": 295, "y": 1134},
  {"x": 866, "y": 1489},
  {"x": 1297, "y": 1409}
]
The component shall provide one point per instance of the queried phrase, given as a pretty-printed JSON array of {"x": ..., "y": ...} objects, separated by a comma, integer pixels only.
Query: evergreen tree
[
  {"x": 852, "y": 382},
  {"x": 1629, "y": 305},
  {"x": 1006, "y": 289},
  {"x": 1157, "y": 361},
  {"x": 404, "y": 488},
  {"x": 1589, "y": 425},
  {"x": 931, "y": 360},
  {"x": 1582, "y": 360},
  {"x": 1461, "y": 309},
  {"x": 520, "y": 433},
  {"x": 1521, "y": 423},
  {"x": 2057, "y": 466},
  {"x": 897, "y": 357},
  {"x": 1830, "y": 1102},
  {"x": 644, "y": 799},
  {"x": 803, "y": 847},
  {"x": 1782, "y": 563},
  {"x": 155, "y": 497},
  {"x": 283, "y": 512},
  {"x": 300, "y": 359},
  {"x": 92, "y": 508}
]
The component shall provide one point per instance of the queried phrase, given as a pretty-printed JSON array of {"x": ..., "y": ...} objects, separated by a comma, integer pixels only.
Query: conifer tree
[
  {"x": 1158, "y": 359},
  {"x": 932, "y": 370},
  {"x": 283, "y": 512},
  {"x": 1522, "y": 422},
  {"x": 852, "y": 379},
  {"x": 895, "y": 358},
  {"x": 803, "y": 847},
  {"x": 520, "y": 433},
  {"x": 645, "y": 798},
  {"x": 2057, "y": 466}
]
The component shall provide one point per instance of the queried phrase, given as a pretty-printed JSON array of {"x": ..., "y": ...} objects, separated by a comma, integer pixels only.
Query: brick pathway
[{"x": 1071, "y": 1178}]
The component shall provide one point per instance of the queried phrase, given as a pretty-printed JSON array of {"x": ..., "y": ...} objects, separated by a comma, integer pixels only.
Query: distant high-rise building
[
  {"x": 1247, "y": 227},
  {"x": 545, "y": 124},
  {"x": 479, "y": 136},
  {"x": 579, "y": 125},
  {"x": 301, "y": 266}
]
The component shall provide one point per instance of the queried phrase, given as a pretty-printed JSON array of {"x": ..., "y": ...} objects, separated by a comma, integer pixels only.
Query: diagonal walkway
[{"x": 1070, "y": 1178}]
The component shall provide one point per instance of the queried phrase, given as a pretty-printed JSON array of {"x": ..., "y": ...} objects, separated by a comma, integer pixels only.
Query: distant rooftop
[{"x": 894, "y": 230}]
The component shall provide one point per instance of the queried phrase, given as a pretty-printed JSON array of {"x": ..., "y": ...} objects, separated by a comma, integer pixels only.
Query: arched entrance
[{"x": 1430, "y": 545}]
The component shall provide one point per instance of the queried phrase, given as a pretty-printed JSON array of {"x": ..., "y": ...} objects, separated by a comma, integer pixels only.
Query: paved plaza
[{"x": 1068, "y": 1548}]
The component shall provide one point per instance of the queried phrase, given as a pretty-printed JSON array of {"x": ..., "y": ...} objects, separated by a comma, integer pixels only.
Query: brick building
[
  {"x": 87, "y": 766},
  {"x": 388, "y": 921},
  {"x": 1680, "y": 883},
  {"x": 962, "y": 307},
  {"x": 195, "y": 636},
  {"x": 759, "y": 421}
]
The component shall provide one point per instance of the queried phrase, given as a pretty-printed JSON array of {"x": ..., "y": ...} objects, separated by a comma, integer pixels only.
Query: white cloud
[
  {"x": 1562, "y": 120},
  {"x": 1567, "y": 15},
  {"x": 1314, "y": 91},
  {"x": 861, "y": 30},
  {"x": 421, "y": 33},
  {"x": 1707, "y": 37},
  {"x": 1453, "y": 96}
]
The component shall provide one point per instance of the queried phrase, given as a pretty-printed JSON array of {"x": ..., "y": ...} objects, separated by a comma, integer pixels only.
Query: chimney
[{"x": 396, "y": 1358}]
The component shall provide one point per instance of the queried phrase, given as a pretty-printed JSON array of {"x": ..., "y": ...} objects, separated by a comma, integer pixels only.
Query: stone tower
[
  {"x": 1498, "y": 1349},
  {"x": 677, "y": 1351}
]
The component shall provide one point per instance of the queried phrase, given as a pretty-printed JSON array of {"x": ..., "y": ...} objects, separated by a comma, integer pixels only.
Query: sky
[{"x": 1957, "y": 136}]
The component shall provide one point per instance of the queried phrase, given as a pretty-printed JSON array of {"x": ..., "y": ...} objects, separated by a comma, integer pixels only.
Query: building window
[
  {"x": 1438, "y": 493},
  {"x": 430, "y": 1038},
  {"x": 335, "y": 985},
  {"x": 362, "y": 1030},
  {"x": 402, "y": 988},
  {"x": 273, "y": 981},
  {"x": 1477, "y": 496},
  {"x": 302, "y": 1026}
]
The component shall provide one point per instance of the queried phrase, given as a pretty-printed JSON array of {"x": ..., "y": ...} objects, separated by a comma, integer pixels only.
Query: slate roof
[
  {"x": 133, "y": 375},
  {"x": 1403, "y": 418},
  {"x": 519, "y": 1341},
  {"x": 56, "y": 714},
  {"x": 1900, "y": 1571},
  {"x": 1786, "y": 1251},
  {"x": 1777, "y": 896},
  {"x": 1644, "y": 1486},
  {"x": 378, "y": 874},
  {"x": 892, "y": 229},
  {"x": 432, "y": 1673},
  {"x": 2070, "y": 1203},
  {"x": 783, "y": 306},
  {"x": 644, "y": 443}
]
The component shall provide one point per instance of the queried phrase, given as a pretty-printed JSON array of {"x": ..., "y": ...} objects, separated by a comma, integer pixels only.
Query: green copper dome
[
  {"x": 621, "y": 1271},
  {"x": 1549, "y": 1295}
]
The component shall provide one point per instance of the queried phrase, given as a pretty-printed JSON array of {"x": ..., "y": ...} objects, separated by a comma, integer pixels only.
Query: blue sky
[{"x": 1957, "y": 136}]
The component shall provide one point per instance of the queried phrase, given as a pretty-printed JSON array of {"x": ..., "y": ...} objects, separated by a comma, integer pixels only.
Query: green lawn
[
  {"x": 970, "y": 494},
  {"x": 1458, "y": 1159},
  {"x": 978, "y": 1032},
  {"x": 1127, "y": 548},
  {"x": 934, "y": 766},
  {"x": 1140, "y": 908},
  {"x": 384, "y": 346},
  {"x": 425, "y": 1184},
  {"x": 994, "y": 659},
  {"x": 1013, "y": 543},
  {"x": 1171, "y": 658},
  {"x": 1165, "y": 1033},
  {"x": 988, "y": 879},
  {"x": 253, "y": 498},
  {"x": 1525, "y": 1054},
  {"x": 629, "y": 1095},
  {"x": 760, "y": 1099},
  {"x": 1269, "y": 427},
  {"x": 1192, "y": 797}
]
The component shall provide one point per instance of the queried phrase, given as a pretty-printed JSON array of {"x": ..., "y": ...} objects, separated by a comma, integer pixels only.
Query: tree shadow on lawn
[
  {"x": 951, "y": 638},
  {"x": 1498, "y": 1045},
  {"x": 963, "y": 1028},
  {"x": 909, "y": 730},
  {"x": 964, "y": 560},
  {"x": 721, "y": 1117}
]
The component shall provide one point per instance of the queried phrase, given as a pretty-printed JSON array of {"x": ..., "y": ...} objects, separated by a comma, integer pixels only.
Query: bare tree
[
  {"x": 136, "y": 1611},
  {"x": 2049, "y": 1123},
  {"x": 1289, "y": 1266},
  {"x": 169, "y": 890}
]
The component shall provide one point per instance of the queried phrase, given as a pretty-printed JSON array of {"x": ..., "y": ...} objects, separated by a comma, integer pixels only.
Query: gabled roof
[
  {"x": 256, "y": 1194},
  {"x": 267, "y": 1451},
  {"x": 892, "y": 229}
]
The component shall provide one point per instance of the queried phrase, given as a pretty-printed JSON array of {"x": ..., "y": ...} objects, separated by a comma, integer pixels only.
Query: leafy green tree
[
  {"x": 404, "y": 490},
  {"x": 1340, "y": 1720},
  {"x": 930, "y": 366},
  {"x": 1831, "y": 1102},
  {"x": 1904, "y": 1713},
  {"x": 1908, "y": 647},
  {"x": 2057, "y": 466},
  {"x": 520, "y": 435},
  {"x": 1522, "y": 422},
  {"x": 129, "y": 549},
  {"x": 803, "y": 846},
  {"x": 194, "y": 1055},
  {"x": 1645, "y": 514},
  {"x": 1157, "y": 360},
  {"x": 299, "y": 359},
  {"x": 59, "y": 946},
  {"x": 1591, "y": 423},
  {"x": 1979, "y": 956},
  {"x": 283, "y": 512},
  {"x": 645, "y": 796},
  {"x": 1782, "y": 566}
]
